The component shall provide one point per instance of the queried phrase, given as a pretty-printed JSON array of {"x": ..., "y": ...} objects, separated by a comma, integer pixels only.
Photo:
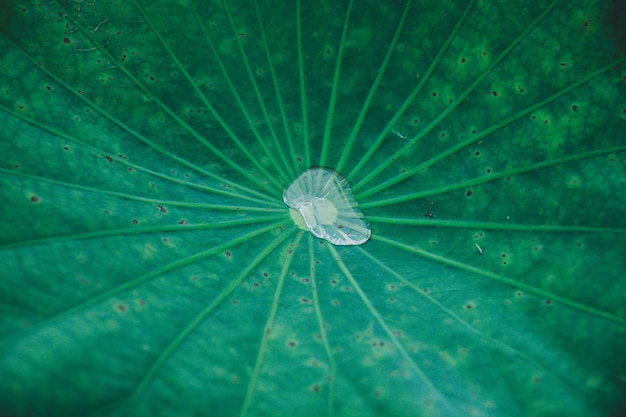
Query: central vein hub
[{"x": 323, "y": 203}]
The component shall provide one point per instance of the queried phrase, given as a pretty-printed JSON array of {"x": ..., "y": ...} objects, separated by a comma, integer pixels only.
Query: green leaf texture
[{"x": 149, "y": 266}]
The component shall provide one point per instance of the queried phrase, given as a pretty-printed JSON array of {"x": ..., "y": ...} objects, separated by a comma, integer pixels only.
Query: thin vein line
[
  {"x": 303, "y": 99},
  {"x": 169, "y": 111},
  {"x": 486, "y": 132},
  {"x": 289, "y": 167},
  {"x": 234, "y": 90},
  {"x": 132, "y": 197},
  {"x": 270, "y": 125},
  {"x": 127, "y": 128},
  {"x": 458, "y": 101},
  {"x": 491, "y": 177},
  {"x": 368, "y": 101},
  {"x": 411, "y": 97},
  {"x": 133, "y": 283},
  {"x": 502, "y": 279},
  {"x": 320, "y": 320},
  {"x": 211, "y": 109},
  {"x": 267, "y": 329},
  {"x": 494, "y": 343},
  {"x": 409, "y": 361},
  {"x": 333, "y": 95},
  {"x": 204, "y": 314},
  {"x": 266, "y": 199},
  {"x": 141, "y": 230},
  {"x": 492, "y": 226}
]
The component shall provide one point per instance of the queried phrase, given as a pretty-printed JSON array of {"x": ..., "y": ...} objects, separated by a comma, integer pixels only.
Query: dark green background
[{"x": 149, "y": 265}]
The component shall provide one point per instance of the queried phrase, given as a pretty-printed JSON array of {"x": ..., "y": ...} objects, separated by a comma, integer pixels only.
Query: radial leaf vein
[
  {"x": 320, "y": 320},
  {"x": 266, "y": 199},
  {"x": 407, "y": 358},
  {"x": 140, "y": 85},
  {"x": 491, "y": 177},
  {"x": 143, "y": 230},
  {"x": 131, "y": 131},
  {"x": 133, "y": 283},
  {"x": 132, "y": 197},
  {"x": 333, "y": 95},
  {"x": 267, "y": 329},
  {"x": 368, "y": 100},
  {"x": 251, "y": 77},
  {"x": 491, "y": 226},
  {"x": 513, "y": 352},
  {"x": 480, "y": 136},
  {"x": 502, "y": 279},
  {"x": 235, "y": 92},
  {"x": 279, "y": 97},
  {"x": 204, "y": 314},
  {"x": 240, "y": 104},
  {"x": 458, "y": 100},
  {"x": 409, "y": 100},
  {"x": 211, "y": 109},
  {"x": 303, "y": 99}
]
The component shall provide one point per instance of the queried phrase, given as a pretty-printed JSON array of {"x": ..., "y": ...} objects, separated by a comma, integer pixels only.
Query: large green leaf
[{"x": 150, "y": 268}]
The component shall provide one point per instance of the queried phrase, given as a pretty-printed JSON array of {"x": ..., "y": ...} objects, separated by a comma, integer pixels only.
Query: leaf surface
[{"x": 150, "y": 266}]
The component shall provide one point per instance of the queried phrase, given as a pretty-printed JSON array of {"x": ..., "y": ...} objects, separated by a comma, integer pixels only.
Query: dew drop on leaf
[{"x": 325, "y": 203}]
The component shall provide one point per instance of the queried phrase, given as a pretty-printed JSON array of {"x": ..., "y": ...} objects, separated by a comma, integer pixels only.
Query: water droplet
[{"x": 323, "y": 199}]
